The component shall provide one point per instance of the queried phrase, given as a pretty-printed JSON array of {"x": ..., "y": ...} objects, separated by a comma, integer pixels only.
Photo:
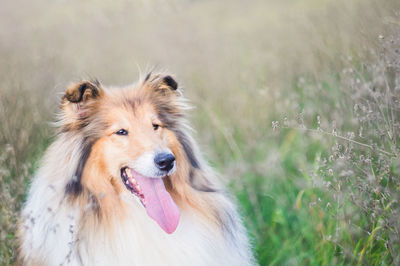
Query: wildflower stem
[{"x": 344, "y": 138}]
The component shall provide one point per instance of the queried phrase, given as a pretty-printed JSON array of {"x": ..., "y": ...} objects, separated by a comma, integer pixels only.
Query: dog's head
[{"x": 131, "y": 141}]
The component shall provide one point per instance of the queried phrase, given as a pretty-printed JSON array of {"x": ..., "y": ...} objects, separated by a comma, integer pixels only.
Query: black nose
[{"x": 164, "y": 161}]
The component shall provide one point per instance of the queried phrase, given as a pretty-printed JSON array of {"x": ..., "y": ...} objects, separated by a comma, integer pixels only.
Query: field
[{"x": 297, "y": 104}]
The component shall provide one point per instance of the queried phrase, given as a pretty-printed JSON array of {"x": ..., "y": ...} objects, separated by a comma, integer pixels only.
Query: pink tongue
[{"x": 159, "y": 204}]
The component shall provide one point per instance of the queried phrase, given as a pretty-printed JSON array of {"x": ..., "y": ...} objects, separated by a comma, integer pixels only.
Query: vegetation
[{"x": 297, "y": 105}]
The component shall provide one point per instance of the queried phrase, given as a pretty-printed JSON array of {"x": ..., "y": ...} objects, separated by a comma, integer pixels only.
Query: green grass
[{"x": 284, "y": 226}]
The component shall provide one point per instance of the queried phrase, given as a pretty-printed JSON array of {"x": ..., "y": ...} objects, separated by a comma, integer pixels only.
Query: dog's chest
[{"x": 138, "y": 240}]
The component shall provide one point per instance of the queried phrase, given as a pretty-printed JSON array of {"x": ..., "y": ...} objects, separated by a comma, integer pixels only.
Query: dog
[{"x": 124, "y": 183}]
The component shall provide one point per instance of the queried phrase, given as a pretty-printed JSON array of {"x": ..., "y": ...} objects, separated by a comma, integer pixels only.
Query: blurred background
[{"x": 297, "y": 105}]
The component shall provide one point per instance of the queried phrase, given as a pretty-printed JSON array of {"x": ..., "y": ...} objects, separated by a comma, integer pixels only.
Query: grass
[{"x": 259, "y": 75}]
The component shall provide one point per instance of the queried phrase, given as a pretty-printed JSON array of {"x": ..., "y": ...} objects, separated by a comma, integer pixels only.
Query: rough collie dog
[{"x": 124, "y": 184}]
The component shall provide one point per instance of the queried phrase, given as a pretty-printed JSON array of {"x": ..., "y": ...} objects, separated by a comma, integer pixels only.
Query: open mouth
[
  {"x": 155, "y": 198},
  {"x": 132, "y": 185}
]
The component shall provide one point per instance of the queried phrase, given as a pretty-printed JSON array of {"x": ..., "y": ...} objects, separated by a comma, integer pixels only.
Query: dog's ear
[
  {"x": 161, "y": 83},
  {"x": 79, "y": 101}
]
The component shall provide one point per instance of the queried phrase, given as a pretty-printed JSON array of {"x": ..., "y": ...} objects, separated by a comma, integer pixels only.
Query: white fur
[{"x": 53, "y": 230}]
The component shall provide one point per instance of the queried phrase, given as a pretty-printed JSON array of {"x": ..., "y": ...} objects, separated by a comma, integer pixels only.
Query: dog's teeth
[{"x": 128, "y": 173}]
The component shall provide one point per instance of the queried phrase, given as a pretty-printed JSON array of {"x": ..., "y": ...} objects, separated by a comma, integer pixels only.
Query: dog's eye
[
  {"x": 122, "y": 132},
  {"x": 155, "y": 126}
]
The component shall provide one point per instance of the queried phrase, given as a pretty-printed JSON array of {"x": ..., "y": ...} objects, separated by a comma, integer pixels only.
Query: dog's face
[
  {"x": 131, "y": 147},
  {"x": 136, "y": 138}
]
